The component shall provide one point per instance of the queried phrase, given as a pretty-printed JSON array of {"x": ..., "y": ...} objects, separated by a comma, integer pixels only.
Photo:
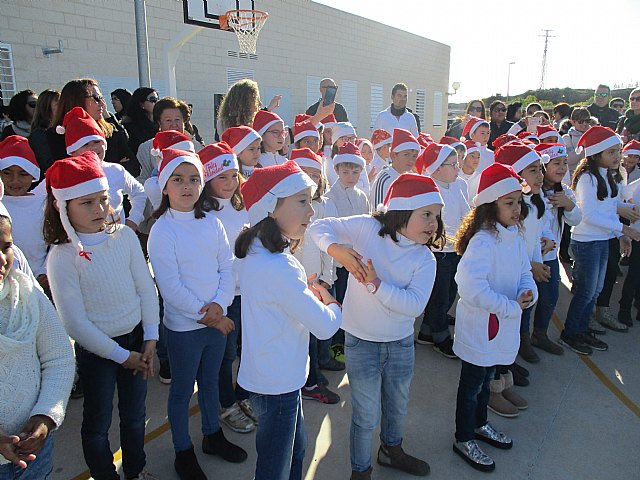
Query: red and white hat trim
[
  {"x": 411, "y": 191},
  {"x": 79, "y": 128},
  {"x": 305, "y": 157},
  {"x": 342, "y": 129},
  {"x": 605, "y": 138},
  {"x": 349, "y": 153},
  {"x": 171, "y": 139},
  {"x": 380, "y": 138},
  {"x": 239, "y": 138},
  {"x": 507, "y": 182},
  {"x": 547, "y": 131},
  {"x": 505, "y": 155},
  {"x": 364, "y": 141},
  {"x": 472, "y": 125},
  {"x": 264, "y": 119},
  {"x": 172, "y": 159},
  {"x": 403, "y": 140},
  {"x": 632, "y": 148},
  {"x": 15, "y": 150},
  {"x": 471, "y": 146},
  {"x": 433, "y": 157},
  {"x": 303, "y": 130},
  {"x": 549, "y": 151},
  {"x": 216, "y": 159},
  {"x": 329, "y": 121},
  {"x": 453, "y": 141}
]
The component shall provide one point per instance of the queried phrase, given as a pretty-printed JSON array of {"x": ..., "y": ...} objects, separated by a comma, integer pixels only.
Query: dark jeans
[
  {"x": 525, "y": 319},
  {"x": 632, "y": 282},
  {"x": 341, "y": 289},
  {"x": 472, "y": 399},
  {"x": 281, "y": 439},
  {"x": 548, "y": 293},
  {"x": 229, "y": 395},
  {"x": 99, "y": 378},
  {"x": 38, "y": 469},
  {"x": 312, "y": 378},
  {"x": 612, "y": 273},
  {"x": 161, "y": 347},
  {"x": 443, "y": 294}
]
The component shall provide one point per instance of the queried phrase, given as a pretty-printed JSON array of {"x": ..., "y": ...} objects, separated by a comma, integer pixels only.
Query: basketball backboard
[{"x": 206, "y": 13}]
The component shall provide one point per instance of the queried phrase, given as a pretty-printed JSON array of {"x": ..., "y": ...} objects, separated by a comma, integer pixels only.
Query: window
[
  {"x": 7, "y": 74},
  {"x": 421, "y": 95},
  {"x": 437, "y": 109},
  {"x": 377, "y": 99},
  {"x": 235, "y": 74},
  {"x": 349, "y": 96}
]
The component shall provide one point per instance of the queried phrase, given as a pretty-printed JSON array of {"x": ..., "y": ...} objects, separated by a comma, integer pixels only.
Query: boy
[
  {"x": 479, "y": 131},
  {"x": 469, "y": 168}
]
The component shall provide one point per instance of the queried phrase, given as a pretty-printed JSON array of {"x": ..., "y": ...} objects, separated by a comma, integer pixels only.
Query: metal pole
[
  {"x": 509, "y": 79},
  {"x": 144, "y": 70}
]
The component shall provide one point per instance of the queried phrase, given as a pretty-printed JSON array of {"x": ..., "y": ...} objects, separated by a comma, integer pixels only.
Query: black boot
[
  {"x": 217, "y": 444},
  {"x": 187, "y": 466}
]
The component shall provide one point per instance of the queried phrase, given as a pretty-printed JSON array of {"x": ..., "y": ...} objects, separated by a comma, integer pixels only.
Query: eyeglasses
[
  {"x": 96, "y": 97},
  {"x": 31, "y": 104},
  {"x": 349, "y": 138},
  {"x": 602, "y": 94},
  {"x": 500, "y": 109},
  {"x": 277, "y": 133},
  {"x": 476, "y": 109},
  {"x": 152, "y": 99},
  {"x": 454, "y": 165},
  {"x": 634, "y": 99}
]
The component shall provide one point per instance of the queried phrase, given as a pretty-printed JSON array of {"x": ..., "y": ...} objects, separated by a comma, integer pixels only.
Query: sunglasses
[
  {"x": 634, "y": 99},
  {"x": 619, "y": 105},
  {"x": 475, "y": 109},
  {"x": 31, "y": 104},
  {"x": 96, "y": 97},
  {"x": 500, "y": 109},
  {"x": 602, "y": 94},
  {"x": 152, "y": 99}
]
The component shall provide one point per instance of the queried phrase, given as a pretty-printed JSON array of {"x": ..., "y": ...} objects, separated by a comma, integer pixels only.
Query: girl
[
  {"x": 279, "y": 308},
  {"x": 191, "y": 258},
  {"x": 306, "y": 135},
  {"x": 580, "y": 118},
  {"x": 368, "y": 153},
  {"x": 106, "y": 299},
  {"x": 562, "y": 209},
  {"x": 392, "y": 274},
  {"x": 469, "y": 168},
  {"x": 120, "y": 100},
  {"x": 479, "y": 131},
  {"x": 630, "y": 158},
  {"x": 597, "y": 196},
  {"x": 342, "y": 133},
  {"x": 222, "y": 189},
  {"x": 245, "y": 143},
  {"x": 495, "y": 285},
  {"x": 38, "y": 369},
  {"x": 381, "y": 140},
  {"x": 271, "y": 127}
]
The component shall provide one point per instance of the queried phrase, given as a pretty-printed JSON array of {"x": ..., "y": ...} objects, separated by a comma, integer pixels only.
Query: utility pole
[
  {"x": 144, "y": 71},
  {"x": 544, "y": 56}
]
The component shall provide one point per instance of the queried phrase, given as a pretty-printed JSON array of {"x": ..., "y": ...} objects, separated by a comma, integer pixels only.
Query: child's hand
[
  {"x": 33, "y": 434},
  {"x": 371, "y": 272},
  {"x": 372, "y": 174},
  {"x": 225, "y": 325},
  {"x": 43, "y": 280},
  {"x": 8, "y": 445},
  {"x": 632, "y": 233},
  {"x": 212, "y": 314},
  {"x": 541, "y": 272},
  {"x": 350, "y": 259},
  {"x": 547, "y": 245},
  {"x": 324, "y": 110},
  {"x": 148, "y": 349},
  {"x": 560, "y": 199},
  {"x": 631, "y": 213},
  {"x": 136, "y": 363},
  {"x": 525, "y": 299},
  {"x": 321, "y": 293},
  {"x": 625, "y": 246}
]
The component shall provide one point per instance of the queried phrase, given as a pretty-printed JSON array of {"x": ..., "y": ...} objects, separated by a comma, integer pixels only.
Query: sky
[{"x": 592, "y": 44}]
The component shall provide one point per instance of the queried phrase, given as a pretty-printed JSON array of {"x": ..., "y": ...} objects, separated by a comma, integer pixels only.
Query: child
[
  {"x": 562, "y": 208},
  {"x": 440, "y": 162},
  {"x": 580, "y": 118},
  {"x": 548, "y": 134},
  {"x": 459, "y": 146},
  {"x": 106, "y": 299},
  {"x": 82, "y": 134},
  {"x": 279, "y": 310},
  {"x": 306, "y": 135},
  {"x": 469, "y": 168},
  {"x": 479, "y": 131},
  {"x": 631, "y": 192},
  {"x": 495, "y": 285},
  {"x": 597, "y": 195},
  {"x": 381, "y": 140},
  {"x": 273, "y": 132},
  {"x": 392, "y": 273},
  {"x": 192, "y": 261},
  {"x": 404, "y": 151},
  {"x": 38, "y": 369},
  {"x": 368, "y": 153},
  {"x": 19, "y": 169},
  {"x": 245, "y": 143},
  {"x": 222, "y": 189},
  {"x": 343, "y": 132},
  {"x": 328, "y": 122},
  {"x": 630, "y": 158}
]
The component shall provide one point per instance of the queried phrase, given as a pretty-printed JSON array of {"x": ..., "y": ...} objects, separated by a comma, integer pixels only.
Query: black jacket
[
  {"x": 496, "y": 131},
  {"x": 338, "y": 111},
  {"x": 608, "y": 117}
]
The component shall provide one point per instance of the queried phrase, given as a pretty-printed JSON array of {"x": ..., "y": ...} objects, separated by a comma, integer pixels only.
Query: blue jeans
[
  {"x": 589, "y": 270},
  {"x": 548, "y": 293},
  {"x": 39, "y": 469},
  {"x": 525, "y": 319},
  {"x": 380, "y": 375},
  {"x": 229, "y": 395},
  {"x": 444, "y": 292},
  {"x": 161, "y": 347},
  {"x": 632, "y": 281},
  {"x": 281, "y": 439},
  {"x": 472, "y": 399},
  {"x": 99, "y": 378},
  {"x": 194, "y": 355}
]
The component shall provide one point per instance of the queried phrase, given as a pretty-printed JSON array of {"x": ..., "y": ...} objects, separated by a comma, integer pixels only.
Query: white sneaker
[
  {"x": 245, "y": 405},
  {"x": 145, "y": 475},
  {"x": 234, "y": 418}
]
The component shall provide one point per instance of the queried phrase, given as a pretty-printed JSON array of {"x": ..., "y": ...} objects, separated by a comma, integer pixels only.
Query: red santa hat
[
  {"x": 453, "y": 141},
  {"x": 79, "y": 128},
  {"x": 597, "y": 139},
  {"x": 71, "y": 178},
  {"x": 349, "y": 153},
  {"x": 266, "y": 185},
  {"x": 472, "y": 125},
  {"x": 329, "y": 121},
  {"x": 516, "y": 155},
  {"x": 341, "y": 129},
  {"x": 504, "y": 139},
  {"x": 172, "y": 159},
  {"x": 304, "y": 129},
  {"x": 525, "y": 135},
  {"x": 471, "y": 146},
  {"x": 264, "y": 119},
  {"x": 305, "y": 157},
  {"x": 424, "y": 140},
  {"x": 171, "y": 139},
  {"x": 403, "y": 140},
  {"x": 217, "y": 158},
  {"x": 380, "y": 138},
  {"x": 304, "y": 117},
  {"x": 632, "y": 148},
  {"x": 363, "y": 141},
  {"x": 15, "y": 150},
  {"x": 239, "y": 138},
  {"x": 411, "y": 191},
  {"x": 547, "y": 131},
  {"x": 432, "y": 157},
  {"x": 549, "y": 151},
  {"x": 497, "y": 180}
]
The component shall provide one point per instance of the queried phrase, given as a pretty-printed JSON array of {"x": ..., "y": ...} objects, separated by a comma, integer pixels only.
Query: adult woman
[
  {"x": 514, "y": 112},
  {"x": 21, "y": 108},
  {"x": 46, "y": 107},
  {"x": 120, "y": 99},
  {"x": 629, "y": 124},
  {"x": 561, "y": 112},
  {"x": 475, "y": 108},
  {"x": 239, "y": 105},
  {"x": 499, "y": 124},
  {"x": 139, "y": 125}
]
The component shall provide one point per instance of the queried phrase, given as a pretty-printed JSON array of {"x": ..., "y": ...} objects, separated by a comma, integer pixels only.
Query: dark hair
[
  {"x": 483, "y": 217},
  {"x": 399, "y": 86},
  {"x": 542, "y": 113},
  {"x": 602, "y": 85},
  {"x": 167, "y": 103},
  {"x": 124, "y": 96},
  {"x": 535, "y": 105},
  {"x": 42, "y": 117},
  {"x": 321, "y": 188},
  {"x": 580, "y": 113},
  {"x": 557, "y": 188},
  {"x": 393, "y": 221},
  {"x": 4, "y": 219},
  {"x": 134, "y": 111},
  {"x": 538, "y": 202},
  {"x": 269, "y": 233},
  {"x": 512, "y": 108},
  {"x": 74, "y": 94},
  {"x": 494, "y": 104},
  {"x": 200, "y": 208},
  {"x": 590, "y": 165},
  {"x": 617, "y": 99},
  {"x": 483, "y": 114},
  {"x": 18, "y": 105},
  {"x": 563, "y": 109}
]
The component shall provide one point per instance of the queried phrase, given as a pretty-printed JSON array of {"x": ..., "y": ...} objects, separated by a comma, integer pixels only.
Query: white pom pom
[
  {"x": 60, "y": 129},
  {"x": 155, "y": 152},
  {"x": 478, "y": 144},
  {"x": 382, "y": 208}
]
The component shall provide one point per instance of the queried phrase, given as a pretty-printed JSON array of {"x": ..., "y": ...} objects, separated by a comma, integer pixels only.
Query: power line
[{"x": 543, "y": 74}]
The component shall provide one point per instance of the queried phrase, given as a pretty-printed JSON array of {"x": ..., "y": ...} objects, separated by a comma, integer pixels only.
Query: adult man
[
  {"x": 499, "y": 124},
  {"x": 398, "y": 115},
  {"x": 339, "y": 111},
  {"x": 600, "y": 109}
]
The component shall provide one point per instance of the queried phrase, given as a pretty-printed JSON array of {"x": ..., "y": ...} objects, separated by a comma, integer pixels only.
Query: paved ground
[{"x": 583, "y": 422}]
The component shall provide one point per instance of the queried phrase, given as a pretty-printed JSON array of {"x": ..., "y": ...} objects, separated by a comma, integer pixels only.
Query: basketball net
[{"x": 247, "y": 25}]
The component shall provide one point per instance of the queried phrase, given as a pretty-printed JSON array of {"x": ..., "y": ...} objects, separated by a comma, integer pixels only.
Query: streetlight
[{"x": 509, "y": 78}]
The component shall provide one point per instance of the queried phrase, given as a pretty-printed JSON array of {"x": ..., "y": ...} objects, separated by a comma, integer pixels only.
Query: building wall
[{"x": 301, "y": 42}]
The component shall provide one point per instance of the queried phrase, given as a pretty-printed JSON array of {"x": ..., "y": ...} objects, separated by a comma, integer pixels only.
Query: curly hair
[{"x": 239, "y": 105}]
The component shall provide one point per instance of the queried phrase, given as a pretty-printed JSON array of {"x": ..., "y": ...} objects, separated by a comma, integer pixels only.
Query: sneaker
[
  {"x": 164, "y": 375},
  {"x": 445, "y": 348},
  {"x": 217, "y": 444},
  {"x": 321, "y": 379},
  {"x": 187, "y": 466},
  {"x": 333, "y": 365},
  {"x": 624, "y": 317},
  {"x": 320, "y": 394},
  {"x": 245, "y": 406},
  {"x": 493, "y": 437},
  {"x": 144, "y": 475},
  {"x": 605, "y": 317},
  {"x": 575, "y": 343},
  {"x": 234, "y": 418},
  {"x": 595, "y": 327},
  {"x": 337, "y": 352},
  {"x": 424, "y": 339},
  {"x": 474, "y": 456},
  {"x": 77, "y": 391},
  {"x": 592, "y": 341}
]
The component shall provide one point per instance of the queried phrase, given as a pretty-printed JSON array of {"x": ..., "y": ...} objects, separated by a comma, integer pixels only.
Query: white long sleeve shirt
[
  {"x": 27, "y": 219},
  {"x": 473, "y": 181},
  {"x": 570, "y": 218},
  {"x": 332, "y": 176},
  {"x": 269, "y": 159},
  {"x": 193, "y": 266},
  {"x": 278, "y": 312},
  {"x": 122, "y": 183},
  {"x": 455, "y": 208},
  {"x": 387, "y": 121},
  {"x": 406, "y": 269},
  {"x": 534, "y": 229},
  {"x": 486, "y": 158},
  {"x": 492, "y": 273}
]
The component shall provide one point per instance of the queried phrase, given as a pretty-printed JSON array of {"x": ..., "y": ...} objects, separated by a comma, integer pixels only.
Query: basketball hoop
[{"x": 247, "y": 25}]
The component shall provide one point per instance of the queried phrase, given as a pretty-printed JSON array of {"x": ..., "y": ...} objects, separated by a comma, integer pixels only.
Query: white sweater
[
  {"x": 332, "y": 176},
  {"x": 122, "y": 183},
  {"x": 387, "y": 121},
  {"x": 27, "y": 216},
  {"x": 534, "y": 229},
  {"x": 193, "y": 266},
  {"x": 106, "y": 297},
  {"x": 269, "y": 159},
  {"x": 486, "y": 158},
  {"x": 456, "y": 207},
  {"x": 599, "y": 218},
  {"x": 406, "y": 269},
  {"x": 570, "y": 218},
  {"x": 492, "y": 273},
  {"x": 278, "y": 312}
]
